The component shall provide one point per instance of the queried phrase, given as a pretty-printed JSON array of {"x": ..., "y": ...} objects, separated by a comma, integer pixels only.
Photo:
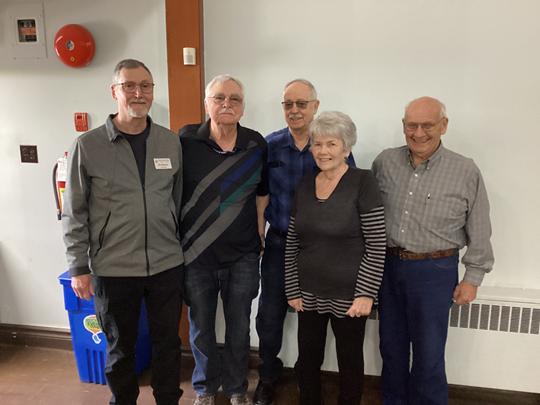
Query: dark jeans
[
  {"x": 272, "y": 307},
  {"x": 239, "y": 285},
  {"x": 118, "y": 303},
  {"x": 349, "y": 333},
  {"x": 414, "y": 303}
]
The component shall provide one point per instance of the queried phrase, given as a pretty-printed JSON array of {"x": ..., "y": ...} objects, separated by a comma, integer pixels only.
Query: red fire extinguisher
[{"x": 59, "y": 184}]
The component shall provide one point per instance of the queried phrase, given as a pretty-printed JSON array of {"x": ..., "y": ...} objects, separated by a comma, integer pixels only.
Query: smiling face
[
  {"x": 423, "y": 144},
  {"x": 136, "y": 104},
  {"x": 224, "y": 113},
  {"x": 329, "y": 152},
  {"x": 299, "y": 119}
]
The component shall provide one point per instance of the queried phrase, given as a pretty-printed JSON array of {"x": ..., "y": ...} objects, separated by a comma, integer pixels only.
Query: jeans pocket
[
  {"x": 446, "y": 262},
  {"x": 250, "y": 257}
]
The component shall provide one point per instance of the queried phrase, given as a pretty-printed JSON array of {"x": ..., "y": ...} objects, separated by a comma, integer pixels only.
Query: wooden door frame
[{"x": 185, "y": 28}]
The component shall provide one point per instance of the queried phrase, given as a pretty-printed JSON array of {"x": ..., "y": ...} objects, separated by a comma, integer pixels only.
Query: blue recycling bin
[{"x": 89, "y": 342}]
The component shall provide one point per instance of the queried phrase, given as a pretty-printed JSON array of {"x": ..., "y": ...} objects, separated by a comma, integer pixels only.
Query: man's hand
[
  {"x": 465, "y": 293},
  {"x": 263, "y": 240},
  {"x": 82, "y": 285},
  {"x": 296, "y": 304},
  {"x": 361, "y": 307}
]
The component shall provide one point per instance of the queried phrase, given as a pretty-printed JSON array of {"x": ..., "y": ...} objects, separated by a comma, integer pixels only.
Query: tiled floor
[{"x": 49, "y": 377}]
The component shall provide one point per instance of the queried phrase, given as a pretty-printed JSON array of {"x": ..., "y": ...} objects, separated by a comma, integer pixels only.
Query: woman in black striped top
[{"x": 334, "y": 258}]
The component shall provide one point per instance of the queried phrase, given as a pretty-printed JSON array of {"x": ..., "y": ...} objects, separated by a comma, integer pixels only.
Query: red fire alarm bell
[
  {"x": 74, "y": 45},
  {"x": 81, "y": 122}
]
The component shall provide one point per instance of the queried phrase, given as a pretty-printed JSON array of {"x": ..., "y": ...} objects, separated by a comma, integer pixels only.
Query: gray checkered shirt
[{"x": 441, "y": 204}]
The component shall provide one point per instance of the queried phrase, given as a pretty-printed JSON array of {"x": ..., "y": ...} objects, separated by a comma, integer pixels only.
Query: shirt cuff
[{"x": 474, "y": 276}]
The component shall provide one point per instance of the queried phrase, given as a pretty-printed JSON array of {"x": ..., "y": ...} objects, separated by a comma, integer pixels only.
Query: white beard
[{"x": 135, "y": 114}]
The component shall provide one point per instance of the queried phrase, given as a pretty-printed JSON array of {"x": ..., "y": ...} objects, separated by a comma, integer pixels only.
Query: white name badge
[{"x": 162, "y": 163}]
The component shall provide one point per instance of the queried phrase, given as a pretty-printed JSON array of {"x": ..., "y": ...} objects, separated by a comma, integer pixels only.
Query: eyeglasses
[
  {"x": 301, "y": 104},
  {"x": 426, "y": 126},
  {"x": 130, "y": 87},
  {"x": 234, "y": 101}
]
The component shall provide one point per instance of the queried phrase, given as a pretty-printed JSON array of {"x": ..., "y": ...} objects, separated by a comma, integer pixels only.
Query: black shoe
[{"x": 264, "y": 394}]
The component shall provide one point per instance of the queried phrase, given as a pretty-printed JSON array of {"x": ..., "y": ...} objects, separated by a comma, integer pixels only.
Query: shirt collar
[
  {"x": 436, "y": 156},
  {"x": 288, "y": 141},
  {"x": 114, "y": 132},
  {"x": 203, "y": 134}
]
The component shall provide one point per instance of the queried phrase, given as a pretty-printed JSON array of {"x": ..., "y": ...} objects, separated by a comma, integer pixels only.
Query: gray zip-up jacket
[{"x": 114, "y": 227}]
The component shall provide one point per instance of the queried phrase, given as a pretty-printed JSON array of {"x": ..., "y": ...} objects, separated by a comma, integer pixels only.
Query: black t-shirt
[{"x": 138, "y": 145}]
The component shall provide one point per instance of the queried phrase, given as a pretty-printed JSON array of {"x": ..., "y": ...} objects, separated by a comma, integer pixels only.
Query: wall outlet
[{"x": 29, "y": 154}]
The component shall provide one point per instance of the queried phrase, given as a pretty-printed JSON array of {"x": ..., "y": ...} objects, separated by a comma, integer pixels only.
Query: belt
[
  {"x": 406, "y": 255},
  {"x": 276, "y": 231}
]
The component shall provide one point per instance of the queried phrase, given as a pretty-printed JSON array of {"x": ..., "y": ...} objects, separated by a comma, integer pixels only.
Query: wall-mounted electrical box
[
  {"x": 27, "y": 31},
  {"x": 189, "y": 56}
]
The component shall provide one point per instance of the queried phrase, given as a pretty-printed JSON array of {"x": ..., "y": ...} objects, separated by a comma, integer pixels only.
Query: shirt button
[
  {"x": 410, "y": 192},
  {"x": 416, "y": 175},
  {"x": 406, "y": 212},
  {"x": 403, "y": 230}
]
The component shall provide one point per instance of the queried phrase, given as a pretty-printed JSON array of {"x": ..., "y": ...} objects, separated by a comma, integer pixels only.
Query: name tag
[{"x": 162, "y": 163}]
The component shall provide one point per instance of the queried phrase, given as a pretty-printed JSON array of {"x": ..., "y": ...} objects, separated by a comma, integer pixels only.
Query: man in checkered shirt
[{"x": 435, "y": 204}]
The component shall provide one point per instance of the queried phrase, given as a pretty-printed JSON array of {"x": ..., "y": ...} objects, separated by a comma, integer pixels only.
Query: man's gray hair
[
  {"x": 312, "y": 91},
  {"x": 442, "y": 114},
  {"x": 127, "y": 64},
  {"x": 222, "y": 79},
  {"x": 334, "y": 123}
]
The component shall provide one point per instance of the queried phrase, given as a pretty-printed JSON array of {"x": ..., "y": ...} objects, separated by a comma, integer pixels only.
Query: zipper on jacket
[
  {"x": 102, "y": 234},
  {"x": 146, "y": 232}
]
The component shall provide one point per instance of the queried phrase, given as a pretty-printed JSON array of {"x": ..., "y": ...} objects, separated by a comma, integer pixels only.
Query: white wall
[
  {"x": 368, "y": 58},
  {"x": 37, "y": 104}
]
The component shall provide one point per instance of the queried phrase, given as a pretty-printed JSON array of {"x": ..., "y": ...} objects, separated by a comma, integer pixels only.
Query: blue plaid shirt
[{"x": 286, "y": 166}]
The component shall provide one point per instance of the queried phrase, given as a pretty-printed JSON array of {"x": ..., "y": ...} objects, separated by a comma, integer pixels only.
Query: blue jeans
[
  {"x": 239, "y": 285},
  {"x": 414, "y": 303},
  {"x": 272, "y": 307}
]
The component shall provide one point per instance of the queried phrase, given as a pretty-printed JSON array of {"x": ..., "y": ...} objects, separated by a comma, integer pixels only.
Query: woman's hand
[
  {"x": 296, "y": 304},
  {"x": 361, "y": 307}
]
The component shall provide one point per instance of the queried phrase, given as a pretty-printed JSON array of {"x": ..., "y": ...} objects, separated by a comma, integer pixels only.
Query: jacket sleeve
[{"x": 75, "y": 212}]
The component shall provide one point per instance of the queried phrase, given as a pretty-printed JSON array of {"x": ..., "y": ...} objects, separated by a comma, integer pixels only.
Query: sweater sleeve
[
  {"x": 292, "y": 286},
  {"x": 372, "y": 264}
]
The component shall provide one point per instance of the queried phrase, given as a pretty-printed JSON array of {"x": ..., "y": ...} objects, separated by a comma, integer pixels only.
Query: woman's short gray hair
[
  {"x": 334, "y": 123},
  {"x": 222, "y": 79}
]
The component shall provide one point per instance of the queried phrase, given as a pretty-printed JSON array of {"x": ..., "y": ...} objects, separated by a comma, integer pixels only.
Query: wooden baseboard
[{"x": 35, "y": 336}]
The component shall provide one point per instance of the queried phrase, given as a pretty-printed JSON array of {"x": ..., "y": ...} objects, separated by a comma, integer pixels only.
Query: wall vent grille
[
  {"x": 492, "y": 317},
  {"x": 496, "y": 317}
]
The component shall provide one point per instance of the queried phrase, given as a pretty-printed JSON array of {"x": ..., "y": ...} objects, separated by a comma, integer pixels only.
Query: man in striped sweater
[{"x": 225, "y": 182}]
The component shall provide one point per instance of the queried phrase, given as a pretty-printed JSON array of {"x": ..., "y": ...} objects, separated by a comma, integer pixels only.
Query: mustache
[
  {"x": 297, "y": 115},
  {"x": 138, "y": 101},
  {"x": 226, "y": 111}
]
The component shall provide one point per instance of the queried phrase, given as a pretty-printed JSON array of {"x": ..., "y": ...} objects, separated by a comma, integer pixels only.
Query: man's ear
[
  {"x": 444, "y": 126},
  {"x": 316, "y": 106},
  {"x": 113, "y": 91}
]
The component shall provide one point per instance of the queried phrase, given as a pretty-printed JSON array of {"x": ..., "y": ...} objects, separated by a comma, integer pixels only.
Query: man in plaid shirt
[{"x": 435, "y": 204}]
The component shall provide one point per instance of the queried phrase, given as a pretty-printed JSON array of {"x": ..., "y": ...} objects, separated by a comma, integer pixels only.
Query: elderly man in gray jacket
[{"x": 121, "y": 205}]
